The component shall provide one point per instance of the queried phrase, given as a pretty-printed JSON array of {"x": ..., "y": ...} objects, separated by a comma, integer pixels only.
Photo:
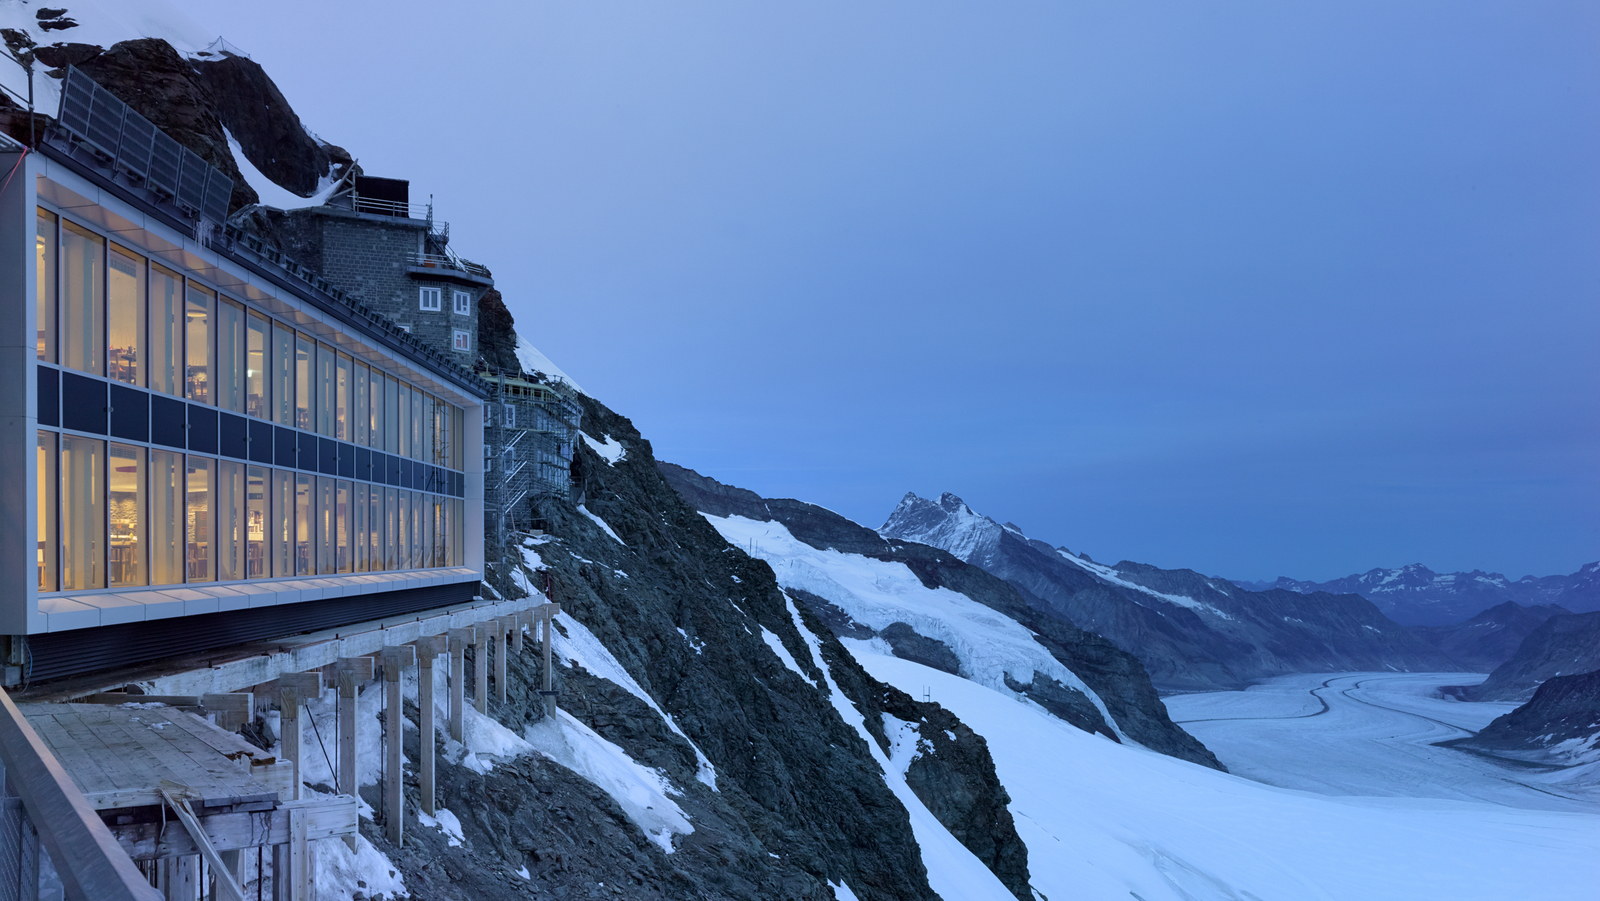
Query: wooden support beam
[
  {"x": 547, "y": 613},
  {"x": 227, "y": 888},
  {"x": 180, "y": 878},
  {"x": 230, "y": 833},
  {"x": 294, "y": 689},
  {"x": 459, "y": 639},
  {"x": 427, "y": 650},
  {"x": 480, "y": 666},
  {"x": 518, "y": 620},
  {"x": 396, "y": 659},
  {"x": 233, "y": 710}
]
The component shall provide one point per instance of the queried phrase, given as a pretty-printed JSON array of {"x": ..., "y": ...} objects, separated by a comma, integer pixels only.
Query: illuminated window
[{"x": 461, "y": 340}]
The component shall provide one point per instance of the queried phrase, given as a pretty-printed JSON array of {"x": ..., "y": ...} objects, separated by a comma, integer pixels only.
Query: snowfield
[
  {"x": 1372, "y": 734},
  {"x": 1111, "y": 821}
]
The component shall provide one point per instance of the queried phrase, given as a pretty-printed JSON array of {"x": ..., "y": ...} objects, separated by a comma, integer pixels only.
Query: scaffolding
[{"x": 530, "y": 434}]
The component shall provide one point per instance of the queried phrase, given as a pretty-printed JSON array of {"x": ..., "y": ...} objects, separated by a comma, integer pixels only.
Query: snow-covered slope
[{"x": 1109, "y": 821}]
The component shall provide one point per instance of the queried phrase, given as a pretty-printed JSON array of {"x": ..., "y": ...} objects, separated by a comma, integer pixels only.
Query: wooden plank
[
  {"x": 115, "y": 767},
  {"x": 82, "y": 766},
  {"x": 324, "y": 818},
  {"x": 196, "y": 764}
]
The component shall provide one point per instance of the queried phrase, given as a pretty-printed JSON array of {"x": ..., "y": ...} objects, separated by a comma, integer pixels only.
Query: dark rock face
[
  {"x": 800, "y": 800},
  {"x": 1490, "y": 638},
  {"x": 1562, "y": 709},
  {"x": 1417, "y": 596},
  {"x": 1117, "y": 677},
  {"x": 148, "y": 75},
  {"x": 247, "y": 101},
  {"x": 1560, "y": 646},
  {"x": 1191, "y": 632},
  {"x": 908, "y": 644},
  {"x": 497, "y": 333},
  {"x": 1064, "y": 703}
]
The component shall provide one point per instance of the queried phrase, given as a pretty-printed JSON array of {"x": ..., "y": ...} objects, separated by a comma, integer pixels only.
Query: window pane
[
  {"x": 379, "y": 407},
  {"x": 281, "y": 510},
  {"x": 430, "y": 530},
  {"x": 305, "y": 351},
  {"x": 416, "y": 424},
  {"x": 418, "y": 533},
  {"x": 126, "y": 483},
  {"x": 402, "y": 543},
  {"x": 230, "y": 356},
  {"x": 258, "y": 334},
  {"x": 305, "y": 525},
  {"x": 325, "y": 383},
  {"x": 375, "y": 541},
  {"x": 256, "y": 510},
  {"x": 202, "y": 566},
  {"x": 457, "y": 437},
  {"x": 45, "y": 301},
  {"x": 231, "y": 519},
  {"x": 391, "y": 528},
  {"x": 198, "y": 356},
  {"x": 341, "y": 527},
  {"x": 83, "y": 514},
  {"x": 325, "y": 529},
  {"x": 341, "y": 404},
  {"x": 282, "y": 376},
  {"x": 46, "y": 486},
  {"x": 83, "y": 256},
  {"x": 125, "y": 313},
  {"x": 166, "y": 518},
  {"x": 358, "y": 528},
  {"x": 391, "y": 417},
  {"x": 404, "y": 427},
  {"x": 360, "y": 398},
  {"x": 166, "y": 330}
]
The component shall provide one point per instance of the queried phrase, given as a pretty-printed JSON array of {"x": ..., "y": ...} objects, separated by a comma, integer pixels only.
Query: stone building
[{"x": 373, "y": 243}]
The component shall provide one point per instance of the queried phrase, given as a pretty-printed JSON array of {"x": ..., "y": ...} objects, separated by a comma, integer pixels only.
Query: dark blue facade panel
[
  {"x": 283, "y": 445},
  {"x": 260, "y": 442},
  {"x": 84, "y": 403},
  {"x": 202, "y": 429},
  {"x": 234, "y": 436},
  {"x": 49, "y": 396},
  {"x": 168, "y": 425},
  {"x": 327, "y": 456},
  {"x": 130, "y": 413}
]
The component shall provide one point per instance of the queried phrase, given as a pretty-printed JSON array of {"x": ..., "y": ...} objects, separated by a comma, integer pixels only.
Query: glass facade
[{"x": 126, "y": 507}]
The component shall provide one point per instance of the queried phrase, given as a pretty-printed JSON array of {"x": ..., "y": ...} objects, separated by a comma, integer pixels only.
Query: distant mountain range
[
  {"x": 1560, "y": 646},
  {"x": 1192, "y": 632},
  {"x": 1490, "y": 638},
  {"x": 1417, "y": 596}
]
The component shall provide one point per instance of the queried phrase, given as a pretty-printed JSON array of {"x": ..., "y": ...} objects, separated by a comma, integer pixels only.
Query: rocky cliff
[
  {"x": 1560, "y": 725},
  {"x": 1560, "y": 646},
  {"x": 1192, "y": 632}
]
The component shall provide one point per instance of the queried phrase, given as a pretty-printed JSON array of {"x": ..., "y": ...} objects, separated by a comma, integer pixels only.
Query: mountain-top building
[{"x": 210, "y": 443}]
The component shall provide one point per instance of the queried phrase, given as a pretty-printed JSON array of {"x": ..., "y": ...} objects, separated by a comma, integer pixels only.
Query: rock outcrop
[
  {"x": 1560, "y": 646},
  {"x": 1560, "y": 725},
  {"x": 269, "y": 132}
]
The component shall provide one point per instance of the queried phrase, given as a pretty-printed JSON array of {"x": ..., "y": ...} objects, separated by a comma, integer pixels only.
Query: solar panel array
[{"x": 95, "y": 117}]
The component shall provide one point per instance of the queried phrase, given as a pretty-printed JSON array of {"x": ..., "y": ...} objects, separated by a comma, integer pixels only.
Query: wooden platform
[{"x": 123, "y": 756}]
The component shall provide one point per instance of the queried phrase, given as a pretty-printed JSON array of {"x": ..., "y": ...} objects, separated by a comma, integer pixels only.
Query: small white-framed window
[
  {"x": 463, "y": 303},
  {"x": 428, "y": 299},
  {"x": 461, "y": 341}
]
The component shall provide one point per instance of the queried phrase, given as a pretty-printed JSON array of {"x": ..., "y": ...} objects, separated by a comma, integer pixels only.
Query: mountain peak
[{"x": 948, "y": 523}]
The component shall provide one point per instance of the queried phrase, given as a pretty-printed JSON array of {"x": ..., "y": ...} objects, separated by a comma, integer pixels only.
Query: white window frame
[
  {"x": 461, "y": 340},
  {"x": 429, "y": 299},
  {"x": 463, "y": 303}
]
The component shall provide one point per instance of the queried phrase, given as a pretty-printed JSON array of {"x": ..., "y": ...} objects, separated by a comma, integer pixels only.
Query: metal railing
[
  {"x": 381, "y": 207},
  {"x": 45, "y": 810},
  {"x": 446, "y": 261}
]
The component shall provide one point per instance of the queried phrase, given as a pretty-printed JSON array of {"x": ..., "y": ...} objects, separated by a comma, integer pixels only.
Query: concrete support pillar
[
  {"x": 504, "y": 626},
  {"x": 350, "y": 673},
  {"x": 427, "y": 649},
  {"x": 480, "y": 666},
  {"x": 294, "y": 689},
  {"x": 459, "y": 639},
  {"x": 518, "y": 620},
  {"x": 396, "y": 659}
]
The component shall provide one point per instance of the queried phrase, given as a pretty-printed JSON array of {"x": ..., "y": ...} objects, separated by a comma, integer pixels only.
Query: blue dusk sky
[{"x": 1251, "y": 288}]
